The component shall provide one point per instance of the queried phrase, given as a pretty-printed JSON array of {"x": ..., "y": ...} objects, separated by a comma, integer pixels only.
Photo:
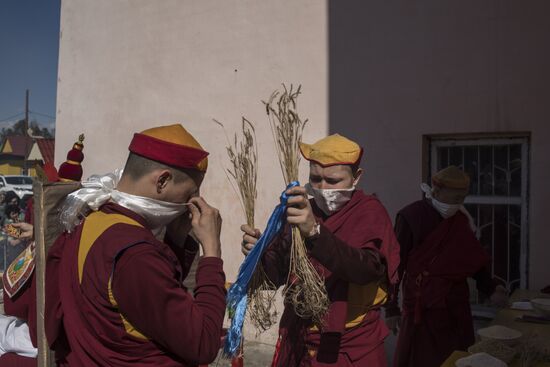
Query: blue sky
[{"x": 29, "y": 45}]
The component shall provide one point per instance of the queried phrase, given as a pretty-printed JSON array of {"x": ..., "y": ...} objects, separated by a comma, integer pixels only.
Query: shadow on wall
[
  {"x": 384, "y": 63},
  {"x": 347, "y": 32},
  {"x": 402, "y": 69},
  {"x": 354, "y": 49},
  {"x": 351, "y": 91}
]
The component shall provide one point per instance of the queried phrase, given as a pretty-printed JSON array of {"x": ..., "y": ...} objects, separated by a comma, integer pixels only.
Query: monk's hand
[
  {"x": 393, "y": 323},
  {"x": 250, "y": 237},
  {"x": 299, "y": 212},
  {"x": 499, "y": 297},
  {"x": 207, "y": 224}
]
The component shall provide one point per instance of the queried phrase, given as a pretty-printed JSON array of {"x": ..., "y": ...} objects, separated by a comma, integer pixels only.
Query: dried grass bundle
[
  {"x": 243, "y": 155},
  {"x": 305, "y": 288}
]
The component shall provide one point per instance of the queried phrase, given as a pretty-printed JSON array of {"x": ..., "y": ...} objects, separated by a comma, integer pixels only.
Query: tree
[
  {"x": 46, "y": 133},
  {"x": 19, "y": 129}
]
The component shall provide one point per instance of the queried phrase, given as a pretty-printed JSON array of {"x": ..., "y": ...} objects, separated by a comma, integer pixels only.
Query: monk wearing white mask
[
  {"x": 439, "y": 252},
  {"x": 351, "y": 244}
]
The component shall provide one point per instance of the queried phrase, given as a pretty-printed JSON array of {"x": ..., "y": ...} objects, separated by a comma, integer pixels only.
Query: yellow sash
[
  {"x": 94, "y": 226},
  {"x": 361, "y": 299}
]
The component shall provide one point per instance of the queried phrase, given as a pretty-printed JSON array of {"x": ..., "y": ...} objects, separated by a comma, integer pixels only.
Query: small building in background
[
  {"x": 14, "y": 153},
  {"x": 42, "y": 152},
  {"x": 20, "y": 155}
]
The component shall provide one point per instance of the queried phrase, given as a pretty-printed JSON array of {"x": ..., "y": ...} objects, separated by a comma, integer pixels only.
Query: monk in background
[{"x": 439, "y": 252}]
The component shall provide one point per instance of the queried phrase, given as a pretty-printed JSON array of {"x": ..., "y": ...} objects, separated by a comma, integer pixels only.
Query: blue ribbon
[{"x": 236, "y": 296}]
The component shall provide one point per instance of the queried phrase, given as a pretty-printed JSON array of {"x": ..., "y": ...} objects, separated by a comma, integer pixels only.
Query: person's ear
[
  {"x": 357, "y": 176},
  {"x": 436, "y": 190},
  {"x": 162, "y": 180}
]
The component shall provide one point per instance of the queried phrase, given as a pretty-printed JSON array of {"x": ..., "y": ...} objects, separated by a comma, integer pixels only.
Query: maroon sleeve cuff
[
  {"x": 210, "y": 261},
  {"x": 210, "y": 271}
]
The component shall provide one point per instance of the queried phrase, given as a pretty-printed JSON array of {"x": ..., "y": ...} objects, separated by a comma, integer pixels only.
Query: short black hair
[
  {"x": 10, "y": 195},
  {"x": 354, "y": 168},
  {"x": 138, "y": 166},
  {"x": 12, "y": 209}
]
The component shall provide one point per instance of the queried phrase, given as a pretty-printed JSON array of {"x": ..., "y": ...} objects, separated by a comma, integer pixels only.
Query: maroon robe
[
  {"x": 356, "y": 246},
  {"x": 438, "y": 255},
  {"x": 23, "y": 306},
  {"x": 130, "y": 308}
]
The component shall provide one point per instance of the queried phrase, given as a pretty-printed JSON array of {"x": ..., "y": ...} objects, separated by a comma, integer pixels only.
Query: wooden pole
[
  {"x": 48, "y": 199},
  {"x": 43, "y": 359}
]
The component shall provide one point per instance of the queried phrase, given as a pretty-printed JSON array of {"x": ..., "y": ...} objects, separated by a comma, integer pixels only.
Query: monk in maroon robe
[
  {"x": 439, "y": 251},
  {"x": 351, "y": 244},
  {"x": 114, "y": 291},
  {"x": 19, "y": 279}
]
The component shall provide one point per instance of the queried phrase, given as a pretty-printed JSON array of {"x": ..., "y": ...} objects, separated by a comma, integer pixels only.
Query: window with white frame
[{"x": 498, "y": 199}]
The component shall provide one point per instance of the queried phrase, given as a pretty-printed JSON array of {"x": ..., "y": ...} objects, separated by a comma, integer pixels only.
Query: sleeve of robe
[
  {"x": 18, "y": 306},
  {"x": 154, "y": 302},
  {"x": 355, "y": 265},
  {"x": 23, "y": 305},
  {"x": 405, "y": 238}
]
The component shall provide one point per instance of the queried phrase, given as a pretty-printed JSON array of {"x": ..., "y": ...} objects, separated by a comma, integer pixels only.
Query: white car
[{"x": 21, "y": 185}]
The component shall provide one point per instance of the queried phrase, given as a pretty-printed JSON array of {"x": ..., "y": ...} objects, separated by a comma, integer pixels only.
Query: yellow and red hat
[
  {"x": 171, "y": 145},
  {"x": 452, "y": 177},
  {"x": 333, "y": 150}
]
